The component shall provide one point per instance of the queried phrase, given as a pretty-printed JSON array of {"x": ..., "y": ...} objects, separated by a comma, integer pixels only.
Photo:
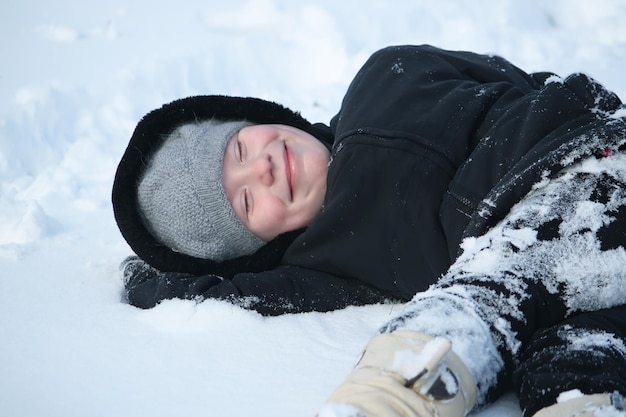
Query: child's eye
[
  {"x": 240, "y": 150},
  {"x": 246, "y": 201}
]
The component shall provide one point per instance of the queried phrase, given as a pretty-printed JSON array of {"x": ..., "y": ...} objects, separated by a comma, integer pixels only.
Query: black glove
[
  {"x": 135, "y": 270},
  {"x": 146, "y": 286}
]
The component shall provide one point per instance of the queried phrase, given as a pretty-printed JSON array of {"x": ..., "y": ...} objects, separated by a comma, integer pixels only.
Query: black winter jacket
[{"x": 429, "y": 146}]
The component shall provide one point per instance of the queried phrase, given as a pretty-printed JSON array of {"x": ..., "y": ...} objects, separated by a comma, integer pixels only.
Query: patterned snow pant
[{"x": 538, "y": 302}]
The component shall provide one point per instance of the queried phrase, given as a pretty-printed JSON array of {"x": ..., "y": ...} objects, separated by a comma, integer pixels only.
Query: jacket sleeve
[{"x": 287, "y": 289}]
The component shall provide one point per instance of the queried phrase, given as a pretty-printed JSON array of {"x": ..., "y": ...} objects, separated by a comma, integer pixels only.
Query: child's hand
[{"x": 134, "y": 268}]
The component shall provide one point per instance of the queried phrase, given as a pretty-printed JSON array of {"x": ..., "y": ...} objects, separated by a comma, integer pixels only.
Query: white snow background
[{"x": 75, "y": 78}]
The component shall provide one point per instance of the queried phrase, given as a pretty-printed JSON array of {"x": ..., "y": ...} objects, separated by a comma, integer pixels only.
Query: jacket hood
[{"x": 149, "y": 135}]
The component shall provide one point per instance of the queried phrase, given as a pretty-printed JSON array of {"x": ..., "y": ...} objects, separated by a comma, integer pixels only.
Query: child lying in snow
[{"x": 492, "y": 199}]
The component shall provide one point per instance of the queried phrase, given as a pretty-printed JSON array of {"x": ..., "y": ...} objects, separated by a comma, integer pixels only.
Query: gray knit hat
[{"x": 182, "y": 199}]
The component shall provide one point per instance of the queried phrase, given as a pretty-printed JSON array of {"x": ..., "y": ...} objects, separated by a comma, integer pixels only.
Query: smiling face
[{"x": 275, "y": 178}]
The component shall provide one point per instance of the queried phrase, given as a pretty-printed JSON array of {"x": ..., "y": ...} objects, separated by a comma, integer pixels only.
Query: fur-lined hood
[{"x": 149, "y": 135}]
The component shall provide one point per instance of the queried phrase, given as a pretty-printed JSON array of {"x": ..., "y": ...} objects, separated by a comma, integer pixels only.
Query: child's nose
[{"x": 262, "y": 170}]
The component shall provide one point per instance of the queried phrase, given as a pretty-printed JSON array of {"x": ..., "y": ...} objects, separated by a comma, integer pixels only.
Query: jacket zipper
[{"x": 465, "y": 201}]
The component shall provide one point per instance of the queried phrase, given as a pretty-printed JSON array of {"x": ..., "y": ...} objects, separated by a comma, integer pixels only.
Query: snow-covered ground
[{"x": 75, "y": 78}]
